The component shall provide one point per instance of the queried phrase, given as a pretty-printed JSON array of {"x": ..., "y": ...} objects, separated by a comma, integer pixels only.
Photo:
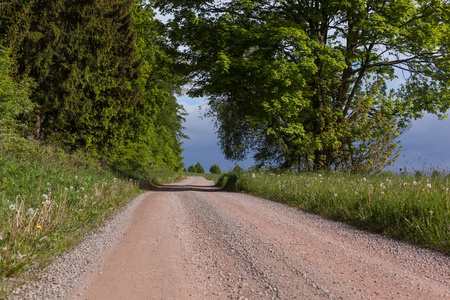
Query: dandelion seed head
[
  {"x": 429, "y": 185},
  {"x": 12, "y": 207}
]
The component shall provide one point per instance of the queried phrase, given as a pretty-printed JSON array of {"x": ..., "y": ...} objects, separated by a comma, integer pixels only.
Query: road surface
[{"x": 189, "y": 240}]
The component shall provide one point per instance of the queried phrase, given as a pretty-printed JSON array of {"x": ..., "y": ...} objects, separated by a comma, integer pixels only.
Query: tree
[
  {"x": 304, "y": 83},
  {"x": 238, "y": 169},
  {"x": 81, "y": 56},
  {"x": 215, "y": 169},
  {"x": 14, "y": 97},
  {"x": 192, "y": 169},
  {"x": 199, "y": 168}
]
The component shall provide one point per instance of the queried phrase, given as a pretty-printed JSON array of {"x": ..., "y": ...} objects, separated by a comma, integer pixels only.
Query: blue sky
[{"x": 426, "y": 146}]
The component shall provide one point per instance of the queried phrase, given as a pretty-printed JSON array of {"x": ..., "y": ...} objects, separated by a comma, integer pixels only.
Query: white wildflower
[
  {"x": 45, "y": 196},
  {"x": 66, "y": 189},
  {"x": 30, "y": 211},
  {"x": 253, "y": 175},
  {"x": 71, "y": 187},
  {"x": 415, "y": 183},
  {"x": 1, "y": 236},
  {"x": 431, "y": 212},
  {"x": 429, "y": 185},
  {"x": 364, "y": 179},
  {"x": 12, "y": 207},
  {"x": 382, "y": 185},
  {"x": 76, "y": 177},
  {"x": 49, "y": 184},
  {"x": 335, "y": 195}
]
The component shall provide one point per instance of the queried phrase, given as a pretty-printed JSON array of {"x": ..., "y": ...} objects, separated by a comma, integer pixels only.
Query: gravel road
[{"x": 189, "y": 240}]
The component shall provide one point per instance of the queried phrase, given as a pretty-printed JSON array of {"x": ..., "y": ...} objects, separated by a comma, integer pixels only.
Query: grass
[
  {"x": 214, "y": 177},
  {"x": 49, "y": 200},
  {"x": 412, "y": 209}
]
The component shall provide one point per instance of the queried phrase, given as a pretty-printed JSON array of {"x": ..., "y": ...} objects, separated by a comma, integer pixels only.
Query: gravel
[
  {"x": 59, "y": 278},
  {"x": 191, "y": 241}
]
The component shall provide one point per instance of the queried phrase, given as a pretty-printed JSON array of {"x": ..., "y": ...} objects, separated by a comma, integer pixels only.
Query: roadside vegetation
[{"x": 411, "y": 208}]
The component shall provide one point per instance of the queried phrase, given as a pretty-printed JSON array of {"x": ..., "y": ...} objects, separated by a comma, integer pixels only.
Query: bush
[
  {"x": 215, "y": 169},
  {"x": 14, "y": 96},
  {"x": 192, "y": 169},
  {"x": 199, "y": 168},
  {"x": 238, "y": 169}
]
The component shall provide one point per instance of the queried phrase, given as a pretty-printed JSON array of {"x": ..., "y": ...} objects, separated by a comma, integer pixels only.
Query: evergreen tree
[
  {"x": 199, "y": 168},
  {"x": 215, "y": 169},
  {"x": 14, "y": 96},
  {"x": 192, "y": 169}
]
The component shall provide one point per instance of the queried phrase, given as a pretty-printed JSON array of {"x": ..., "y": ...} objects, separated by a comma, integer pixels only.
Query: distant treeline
[{"x": 92, "y": 76}]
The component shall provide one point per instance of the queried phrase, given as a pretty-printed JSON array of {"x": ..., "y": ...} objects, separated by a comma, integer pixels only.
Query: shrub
[
  {"x": 238, "y": 169},
  {"x": 192, "y": 169},
  {"x": 199, "y": 168},
  {"x": 215, "y": 169}
]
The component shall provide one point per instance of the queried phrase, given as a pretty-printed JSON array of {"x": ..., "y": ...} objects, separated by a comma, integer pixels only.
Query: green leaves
[{"x": 305, "y": 85}]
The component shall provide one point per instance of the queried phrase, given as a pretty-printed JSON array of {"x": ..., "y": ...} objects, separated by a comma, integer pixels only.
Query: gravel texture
[
  {"x": 190, "y": 240},
  {"x": 58, "y": 279}
]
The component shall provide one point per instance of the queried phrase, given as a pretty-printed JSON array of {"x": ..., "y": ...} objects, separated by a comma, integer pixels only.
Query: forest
[{"x": 91, "y": 76}]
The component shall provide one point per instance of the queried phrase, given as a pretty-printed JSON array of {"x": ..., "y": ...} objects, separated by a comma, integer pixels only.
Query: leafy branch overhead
[{"x": 305, "y": 83}]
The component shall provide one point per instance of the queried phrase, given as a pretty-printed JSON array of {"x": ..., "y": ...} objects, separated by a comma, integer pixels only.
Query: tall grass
[
  {"x": 49, "y": 199},
  {"x": 413, "y": 209}
]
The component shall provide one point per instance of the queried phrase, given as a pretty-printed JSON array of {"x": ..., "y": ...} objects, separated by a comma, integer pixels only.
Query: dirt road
[{"x": 190, "y": 240}]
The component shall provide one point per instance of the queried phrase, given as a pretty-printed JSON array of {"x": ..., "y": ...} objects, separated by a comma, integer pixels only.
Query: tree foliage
[
  {"x": 304, "y": 83},
  {"x": 215, "y": 169},
  {"x": 199, "y": 168},
  {"x": 104, "y": 81},
  {"x": 14, "y": 97}
]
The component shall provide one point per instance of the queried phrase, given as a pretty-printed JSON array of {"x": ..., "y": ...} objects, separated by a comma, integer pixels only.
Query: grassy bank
[
  {"x": 50, "y": 199},
  {"x": 413, "y": 209}
]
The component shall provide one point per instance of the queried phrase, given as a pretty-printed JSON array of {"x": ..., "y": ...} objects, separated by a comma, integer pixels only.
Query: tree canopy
[
  {"x": 305, "y": 83},
  {"x": 104, "y": 81}
]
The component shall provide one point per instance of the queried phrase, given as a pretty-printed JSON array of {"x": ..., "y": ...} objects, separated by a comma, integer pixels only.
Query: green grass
[
  {"x": 412, "y": 209},
  {"x": 208, "y": 176},
  {"x": 49, "y": 200}
]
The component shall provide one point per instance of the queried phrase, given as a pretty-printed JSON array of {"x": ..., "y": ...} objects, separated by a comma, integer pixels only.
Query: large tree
[{"x": 304, "y": 83}]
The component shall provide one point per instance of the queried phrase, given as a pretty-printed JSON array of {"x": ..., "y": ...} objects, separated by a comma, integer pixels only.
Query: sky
[{"x": 426, "y": 145}]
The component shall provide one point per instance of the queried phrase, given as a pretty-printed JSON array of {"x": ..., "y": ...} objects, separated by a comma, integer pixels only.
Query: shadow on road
[{"x": 187, "y": 188}]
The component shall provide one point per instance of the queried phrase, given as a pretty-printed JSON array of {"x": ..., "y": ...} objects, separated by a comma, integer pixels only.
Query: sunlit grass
[{"x": 413, "y": 209}]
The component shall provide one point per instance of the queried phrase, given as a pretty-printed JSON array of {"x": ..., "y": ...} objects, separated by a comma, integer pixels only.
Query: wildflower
[
  {"x": 76, "y": 177},
  {"x": 364, "y": 179},
  {"x": 1, "y": 236},
  {"x": 415, "y": 183},
  {"x": 253, "y": 175},
  {"x": 49, "y": 184},
  {"x": 71, "y": 187},
  {"x": 47, "y": 202},
  {"x": 405, "y": 184},
  {"x": 30, "y": 211},
  {"x": 82, "y": 188},
  {"x": 382, "y": 193},
  {"x": 45, "y": 196},
  {"x": 382, "y": 185},
  {"x": 429, "y": 185},
  {"x": 12, "y": 207},
  {"x": 335, "y": 195},
  {"x": 431, "y": 212},
  {"x": 39, "y": 227},
  {"x": 66, "y": 189},
  {"x": 320, "y": 175}
]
